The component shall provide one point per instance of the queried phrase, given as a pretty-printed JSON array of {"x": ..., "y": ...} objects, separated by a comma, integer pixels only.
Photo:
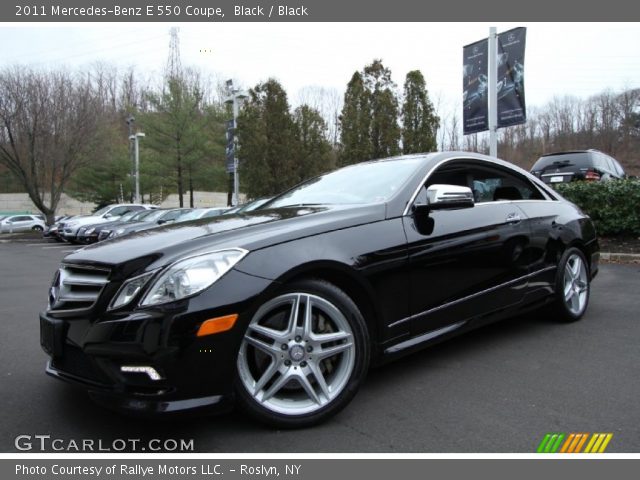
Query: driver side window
[{"x": 488, "y": 183}]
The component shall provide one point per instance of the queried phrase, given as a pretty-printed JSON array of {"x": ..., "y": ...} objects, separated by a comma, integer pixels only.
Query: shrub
[{"x": 614, "y": 206}]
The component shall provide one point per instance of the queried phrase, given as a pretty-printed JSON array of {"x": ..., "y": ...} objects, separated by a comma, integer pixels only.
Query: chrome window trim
[{"x": 499, "y": 163}]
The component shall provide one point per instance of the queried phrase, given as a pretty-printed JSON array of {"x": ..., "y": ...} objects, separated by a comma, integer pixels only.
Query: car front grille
[{"x": 77, "y": 288}]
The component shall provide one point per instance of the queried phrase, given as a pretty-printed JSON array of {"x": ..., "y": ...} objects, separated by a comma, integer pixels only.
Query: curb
[{"x": 619, "y": 257}]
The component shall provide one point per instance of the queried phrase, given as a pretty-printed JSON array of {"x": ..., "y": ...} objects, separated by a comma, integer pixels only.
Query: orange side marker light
[{"x": 217, "y": 325}]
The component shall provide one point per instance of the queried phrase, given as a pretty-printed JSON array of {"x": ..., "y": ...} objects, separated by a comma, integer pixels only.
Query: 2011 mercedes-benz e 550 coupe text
[{"x": 284, "y": 308}]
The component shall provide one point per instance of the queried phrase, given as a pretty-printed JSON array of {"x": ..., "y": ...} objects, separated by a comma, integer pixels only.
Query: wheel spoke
[
  {"x": 261, "y": 345},
  {"x": 293, "y": 315},
  {"x": 266, "y": 376},
  {"x": 275, "y": 387},
  {"x": 568, "y": 272},
  {"x": 320, "y": 380},
  {"x": 575, "y": 303},
  {"x": 568, "y": 288},
  {"x": 577, "y": 266},
  {"x": 270, "y": 333},
  {"x": 322, "y": 338},
  {"x": 307, "y": 323},
  {"x": 333, "y": 350},
  {"x": 304, "y": 382}
]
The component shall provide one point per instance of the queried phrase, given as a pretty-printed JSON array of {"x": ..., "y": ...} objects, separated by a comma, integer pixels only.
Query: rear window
[{"x": 580, "y": 160}]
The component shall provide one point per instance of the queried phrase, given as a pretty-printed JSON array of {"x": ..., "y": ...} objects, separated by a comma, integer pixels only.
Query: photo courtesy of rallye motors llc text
[{"x": 141, "y": 471}]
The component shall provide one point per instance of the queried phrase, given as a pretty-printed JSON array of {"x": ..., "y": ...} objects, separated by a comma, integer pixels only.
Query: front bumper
[{"x": 196, "y": 373}]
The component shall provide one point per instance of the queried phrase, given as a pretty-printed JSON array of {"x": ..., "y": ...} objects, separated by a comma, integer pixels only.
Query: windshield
[
  {"x": 193, "y": 214},
  {"x": 127, "y": 216},
  {"x": 154, "y": 215},
  {"x": 102, "y": 211},
  {"x": 139, "y": 216},
  {"x": 363, "y": 183}
]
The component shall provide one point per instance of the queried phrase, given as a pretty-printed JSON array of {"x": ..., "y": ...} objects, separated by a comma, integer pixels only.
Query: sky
[{"x": 580, "y": 59}]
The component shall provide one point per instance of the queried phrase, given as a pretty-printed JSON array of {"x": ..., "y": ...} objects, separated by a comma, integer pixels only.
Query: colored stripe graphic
[{"x": 574, "y": 442}]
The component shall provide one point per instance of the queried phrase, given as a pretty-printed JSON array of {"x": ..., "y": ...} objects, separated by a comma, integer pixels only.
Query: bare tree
[
  {"x": 48, "y": 121},
  {"x": 327, "y": 101}
]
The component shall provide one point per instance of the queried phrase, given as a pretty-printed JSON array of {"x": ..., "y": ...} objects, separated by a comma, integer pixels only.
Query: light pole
[
  {"x": 137, "y": 163},
  {"x": 235, "y": 97},
  {"x": 130, "y": 121}
]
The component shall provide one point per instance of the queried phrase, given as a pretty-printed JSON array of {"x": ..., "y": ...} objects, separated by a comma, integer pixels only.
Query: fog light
[{"x": 151, "y": 372}]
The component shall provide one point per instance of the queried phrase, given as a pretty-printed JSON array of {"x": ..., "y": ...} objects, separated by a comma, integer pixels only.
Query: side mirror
[
  {"x": 449, "y": 197},
  {"x": 440, "y": 197}
]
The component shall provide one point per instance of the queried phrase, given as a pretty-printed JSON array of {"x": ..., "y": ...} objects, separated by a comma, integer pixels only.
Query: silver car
[{"x": 21, "y": 223}]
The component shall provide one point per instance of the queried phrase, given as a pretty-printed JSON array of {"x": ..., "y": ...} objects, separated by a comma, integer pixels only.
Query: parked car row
[{"x": 121, "y": 219}]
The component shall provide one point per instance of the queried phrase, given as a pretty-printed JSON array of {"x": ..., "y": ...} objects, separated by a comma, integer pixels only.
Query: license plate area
[
  {"x": 52, "y": 336},
  {"x": 557, "y": 179}
]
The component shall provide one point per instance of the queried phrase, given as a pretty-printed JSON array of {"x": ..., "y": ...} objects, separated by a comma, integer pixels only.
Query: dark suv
[{"x": 564, "y": 167}]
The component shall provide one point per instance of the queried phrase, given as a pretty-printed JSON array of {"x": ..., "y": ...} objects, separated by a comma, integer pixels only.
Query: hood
[
  {"x": 254, "y": 230},
  {"x": 88, "y": 220}
]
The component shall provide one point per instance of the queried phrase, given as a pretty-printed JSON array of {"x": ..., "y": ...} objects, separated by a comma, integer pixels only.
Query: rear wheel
[
  {"x": 572, "y": 286},
  {"x": 37, "y": 228},
  {"x": 303, "y": 355}
]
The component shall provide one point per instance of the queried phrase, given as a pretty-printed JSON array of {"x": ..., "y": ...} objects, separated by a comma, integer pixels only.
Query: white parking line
[
  {"x": 74, "y": 250},
  {"x": 55, "y": 246},
  {"x": 36, "y": 244}
]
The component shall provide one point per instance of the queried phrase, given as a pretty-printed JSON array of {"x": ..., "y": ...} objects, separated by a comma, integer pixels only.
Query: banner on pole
[
  {"x": 475, "y": 117},
  {"x": 511, "y": 107},
  {"x": 230, "y": 151},
  {"x": 510, "y": 79}
]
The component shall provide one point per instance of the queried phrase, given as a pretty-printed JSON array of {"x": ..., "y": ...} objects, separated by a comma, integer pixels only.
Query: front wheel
[
  {"x": 37, "y": 228},
  {"x": 303, "y": 356},
  {"x": 572, "y": 286}
]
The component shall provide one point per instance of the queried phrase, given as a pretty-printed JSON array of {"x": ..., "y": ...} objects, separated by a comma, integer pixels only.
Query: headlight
[
  {"x": 129, "y": 290},
  {"x": 192, "y": 275},
  {"x": 89, "y": 231},
  {"x": 117, "y": 232}
]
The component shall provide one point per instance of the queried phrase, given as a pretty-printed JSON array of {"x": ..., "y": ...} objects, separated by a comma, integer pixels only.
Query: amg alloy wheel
[
  {"x": 572, "y": 285},
  {"x": 303, "y": 355}
]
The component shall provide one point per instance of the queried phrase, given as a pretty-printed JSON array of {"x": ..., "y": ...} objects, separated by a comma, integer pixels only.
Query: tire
[
  {"x": 37, "y": 228},
  {"x": 294, "y": 374},
  {"x": 573, "y": 286}
]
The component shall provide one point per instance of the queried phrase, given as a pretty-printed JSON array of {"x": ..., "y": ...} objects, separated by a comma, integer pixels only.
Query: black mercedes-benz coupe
[{"x": 284, "y": 308}]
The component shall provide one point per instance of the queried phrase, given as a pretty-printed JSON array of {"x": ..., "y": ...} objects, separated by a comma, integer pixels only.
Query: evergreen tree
[
  {"x": 176, "y": 129},
  {"x": 314, "y": 150},
  {"x": 419, "y": 122},
  {"x": 105, "y": 179},
  {"x": 385, "y": 132},
  {"x": 355, "y": 123},
  {"x": 267, "y": 142}
]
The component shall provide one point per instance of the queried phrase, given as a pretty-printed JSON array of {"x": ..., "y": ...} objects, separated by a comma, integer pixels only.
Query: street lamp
[
  {"x": 130, "y": 121},
  {"x": 135, "y": 138},
  {"x": 235, "y": 97}
]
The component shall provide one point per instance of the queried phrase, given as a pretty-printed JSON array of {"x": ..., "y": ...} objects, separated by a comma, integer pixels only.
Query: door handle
[{"x": 513, "y": 218}]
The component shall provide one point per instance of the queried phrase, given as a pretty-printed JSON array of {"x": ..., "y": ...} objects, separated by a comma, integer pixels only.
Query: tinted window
[
  {"x": 579, "y": 160},
  {"x": 487, "y": 183}
]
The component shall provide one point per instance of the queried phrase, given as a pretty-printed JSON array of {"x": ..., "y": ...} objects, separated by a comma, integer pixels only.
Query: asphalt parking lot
[{"x": 498, "y": 389}]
